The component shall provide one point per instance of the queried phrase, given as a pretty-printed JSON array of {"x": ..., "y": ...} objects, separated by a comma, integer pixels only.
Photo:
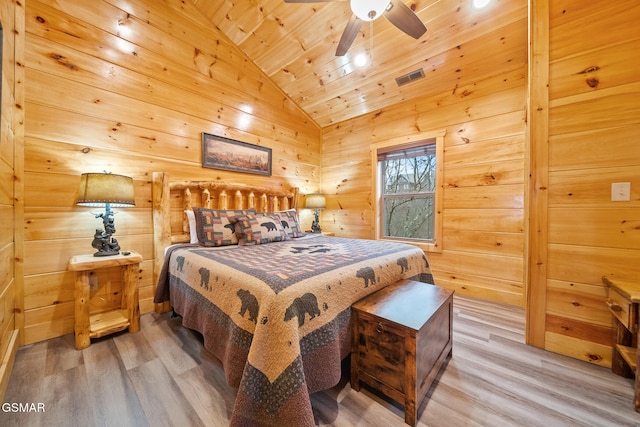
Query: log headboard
[{"x": 171, "y": 199}]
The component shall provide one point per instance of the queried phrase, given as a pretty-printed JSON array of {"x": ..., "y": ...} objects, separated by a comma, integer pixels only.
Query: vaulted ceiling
[{"x": 295, "y": 45}]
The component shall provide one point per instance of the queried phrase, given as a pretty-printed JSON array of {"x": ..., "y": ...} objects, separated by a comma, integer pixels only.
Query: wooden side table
[
  {"x": 98, "y": 325},
  {"x": 623, "y": 301}
]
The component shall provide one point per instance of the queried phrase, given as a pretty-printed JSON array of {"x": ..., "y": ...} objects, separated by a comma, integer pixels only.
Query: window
[
  {"x": 407, "y": 192},
  {"x": 409, "y": 195}
]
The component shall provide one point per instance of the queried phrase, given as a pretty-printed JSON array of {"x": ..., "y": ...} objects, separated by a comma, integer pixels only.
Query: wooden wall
[
  {"x": 585, "y": 141},
  {"x": 11, "y": 134},
  {"x": 128, "y": 87},
  {"x": 484, "y": 176},
  {"x": 592, "y": 125}
]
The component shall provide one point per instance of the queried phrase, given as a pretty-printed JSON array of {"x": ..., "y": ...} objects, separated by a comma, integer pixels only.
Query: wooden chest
[{"x": 401, "y": 339}]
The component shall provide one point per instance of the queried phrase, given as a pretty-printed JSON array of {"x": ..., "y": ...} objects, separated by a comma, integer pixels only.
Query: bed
[{"x": 273, "y": 306}]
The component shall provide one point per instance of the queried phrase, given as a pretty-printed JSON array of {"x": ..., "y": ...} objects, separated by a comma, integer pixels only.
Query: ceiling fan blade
[
  {"x": 349, "y": 35},
  {"x": 400, "y": 15}
]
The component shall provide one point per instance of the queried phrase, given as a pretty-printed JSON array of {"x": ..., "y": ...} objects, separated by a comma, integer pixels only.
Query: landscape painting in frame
[{"x": 223, "y": 153}]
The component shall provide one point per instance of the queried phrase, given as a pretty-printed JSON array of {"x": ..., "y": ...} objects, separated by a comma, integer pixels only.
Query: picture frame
[{"x": 229, "y": 154}]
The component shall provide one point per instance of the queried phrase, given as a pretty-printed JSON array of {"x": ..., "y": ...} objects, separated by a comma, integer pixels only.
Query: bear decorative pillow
[
  {"x": 290, "y": 223},
  {"x": 216, "y": 227},
  {"x": 259, "y": 229}
]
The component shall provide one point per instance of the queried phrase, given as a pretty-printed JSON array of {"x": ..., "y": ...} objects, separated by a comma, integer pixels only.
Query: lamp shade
[
  {"x": 368, "y": 10},
  {"x": 316, "y": 201},
  {"x": 98, "y": 189}
]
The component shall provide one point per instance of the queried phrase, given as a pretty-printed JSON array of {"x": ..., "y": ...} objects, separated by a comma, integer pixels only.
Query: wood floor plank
[
  {"x": 212, "y": 400},
  {"x": 162, "y": 400},
  {"x": 167, "y": 342},
  {"x": 62, "y": 355},
  {"x": 111, "y": 392},
  {"x": 134, "y": 349},
  {"x": 28, "y": 373},
  {"x": 64, "y": 396},
  {"x": 26, "y": 385},
  {"x": 162, "y": 375}
]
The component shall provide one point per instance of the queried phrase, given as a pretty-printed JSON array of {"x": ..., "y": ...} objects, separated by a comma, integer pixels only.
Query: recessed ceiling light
[
  {"x": 360, "y": 60},
  {"x": 479, "y": 4}
]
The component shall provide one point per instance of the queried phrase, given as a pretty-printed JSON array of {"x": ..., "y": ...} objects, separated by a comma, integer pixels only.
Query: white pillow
[{"x": 192, "y": 226}]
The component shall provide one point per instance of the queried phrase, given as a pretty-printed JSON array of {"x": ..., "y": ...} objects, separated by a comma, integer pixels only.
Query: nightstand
[
  {"x": 322, "y": 233},
  {"x": 623, "y": 301},
  {"x": 128, "y": 315}
]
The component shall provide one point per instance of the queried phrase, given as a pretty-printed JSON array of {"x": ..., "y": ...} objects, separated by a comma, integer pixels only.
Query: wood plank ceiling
[{"x": 295, "y": 44}]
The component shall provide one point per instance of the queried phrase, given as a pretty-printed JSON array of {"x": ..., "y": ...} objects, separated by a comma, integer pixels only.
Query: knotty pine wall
[
  {"x": 592, "y": 125},
  {"x": 11, "y": 137},
  {"x": 128, "y": 87},
  {"x": 592, "y": 122},
  {"x": 484, "y": 178}
]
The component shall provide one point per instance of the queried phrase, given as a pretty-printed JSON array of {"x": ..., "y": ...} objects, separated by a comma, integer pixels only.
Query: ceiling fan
[{"x": 395, "y": 11}]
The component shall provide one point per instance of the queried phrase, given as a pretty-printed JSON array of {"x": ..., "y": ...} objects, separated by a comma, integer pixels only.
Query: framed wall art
[{"x": 219, "y": 152}]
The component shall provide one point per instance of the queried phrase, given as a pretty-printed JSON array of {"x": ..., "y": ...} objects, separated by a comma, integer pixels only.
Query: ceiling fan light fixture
[
  {"x": 479, "y": 4},
  {"x": 368, "y": 10}
]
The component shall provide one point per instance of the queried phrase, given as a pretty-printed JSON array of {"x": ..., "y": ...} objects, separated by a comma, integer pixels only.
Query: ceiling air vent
[{"x": 410, "y": 77}]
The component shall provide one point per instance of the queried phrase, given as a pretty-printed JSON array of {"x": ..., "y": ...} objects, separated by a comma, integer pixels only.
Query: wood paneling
[
  {"x": 129, "y": 87},
  {"x": 583, "y": 301},
  {"x": 498, "y": 197},
  {"x": 537, "y": 148},
  {"x": 589, "y": 149},
  {"x": 486, "y": 151},
  {"x": 475, "y": 175},
  {"x": 577, "y": 73},
  {"x": 11, "y": 170},
  {"x": 606, "y": 227},
  {"x": 594, "y": 116},
  {"x": 571, "y": 20},
  {"x": 496, "y": 220},
  {"x": 488, "y": 242},
  {"x": 483, "y": 216},
  {"x": 295, "y": 45},
  {"x": 591, "y": 187}
]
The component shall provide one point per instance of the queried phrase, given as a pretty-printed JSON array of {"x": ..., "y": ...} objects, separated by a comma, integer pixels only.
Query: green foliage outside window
[{"x": 408, "y": 190}]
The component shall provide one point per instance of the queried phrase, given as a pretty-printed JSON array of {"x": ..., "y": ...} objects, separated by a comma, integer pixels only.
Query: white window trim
[{"x": 408, "y": 141}]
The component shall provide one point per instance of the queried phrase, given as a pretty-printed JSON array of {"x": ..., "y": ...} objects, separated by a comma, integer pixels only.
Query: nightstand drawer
[{"x": 622, "y": 308}]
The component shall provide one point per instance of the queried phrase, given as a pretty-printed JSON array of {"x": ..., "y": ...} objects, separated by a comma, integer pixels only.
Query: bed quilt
[{"x": 277, "y": 315}]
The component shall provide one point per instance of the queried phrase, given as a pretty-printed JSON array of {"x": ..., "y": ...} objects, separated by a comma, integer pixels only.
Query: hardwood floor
[{"x": 163, "y": 376}]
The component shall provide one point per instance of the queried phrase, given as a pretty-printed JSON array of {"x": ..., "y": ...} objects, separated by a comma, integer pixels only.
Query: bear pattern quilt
[{"x": 277, "y": 315}]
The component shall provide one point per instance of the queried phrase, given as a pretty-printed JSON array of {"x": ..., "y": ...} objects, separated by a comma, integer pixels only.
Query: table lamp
[
  {"x": 105, "y": 190},
  {"x": 316, "y": 201}
]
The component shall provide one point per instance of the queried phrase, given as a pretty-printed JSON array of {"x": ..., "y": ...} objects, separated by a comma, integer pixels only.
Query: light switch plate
[{"x": 620, "y": 191}]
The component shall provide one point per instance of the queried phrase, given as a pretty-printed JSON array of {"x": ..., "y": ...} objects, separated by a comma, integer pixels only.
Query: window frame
[{"x": 399, "y": 143}]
